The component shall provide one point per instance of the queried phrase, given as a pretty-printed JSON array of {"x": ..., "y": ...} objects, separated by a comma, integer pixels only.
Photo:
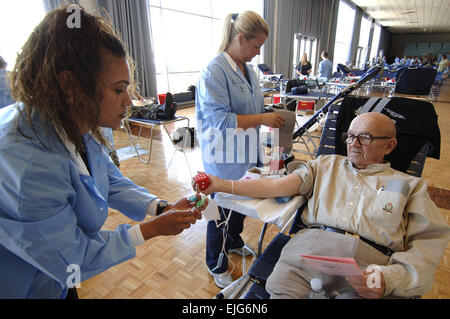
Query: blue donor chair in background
[{"x": 414, "y": 81}]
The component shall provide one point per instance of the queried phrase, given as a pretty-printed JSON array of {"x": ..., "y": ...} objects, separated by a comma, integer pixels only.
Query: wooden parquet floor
[{"x": 173, "y": 267}]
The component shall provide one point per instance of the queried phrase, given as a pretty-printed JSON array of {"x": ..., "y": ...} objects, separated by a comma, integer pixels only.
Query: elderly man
[{"x": 400, "y": 233}]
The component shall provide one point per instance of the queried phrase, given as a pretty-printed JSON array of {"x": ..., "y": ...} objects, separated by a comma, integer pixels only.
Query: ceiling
[{"x": 409, "y": 16}]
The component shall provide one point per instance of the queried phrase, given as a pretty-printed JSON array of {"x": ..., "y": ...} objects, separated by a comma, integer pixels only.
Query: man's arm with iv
[{"x": 257, "y": 188}]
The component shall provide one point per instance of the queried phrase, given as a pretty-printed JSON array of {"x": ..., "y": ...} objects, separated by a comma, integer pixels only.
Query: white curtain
[
  {"x": 286, "y": 18},
  {"x": 131, "y": 19}
]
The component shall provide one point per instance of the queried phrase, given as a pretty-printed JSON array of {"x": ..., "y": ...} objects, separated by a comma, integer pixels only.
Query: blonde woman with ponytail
[{"x": 229, "y": 99}]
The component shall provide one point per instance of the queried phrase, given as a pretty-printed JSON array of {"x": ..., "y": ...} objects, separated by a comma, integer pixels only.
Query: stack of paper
[{"x": 335, "y": 266}]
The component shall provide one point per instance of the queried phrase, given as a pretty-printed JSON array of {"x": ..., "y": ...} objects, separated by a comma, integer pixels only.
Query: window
[
  {"x": 346, "y": 20},
  {"x": 363, "y": 43},
  {"x": 375, "y": 42},
  {"x": 186, "y": 36},
  {"x": 21, "y": 16},
  {"x": 303, "y": 44}
]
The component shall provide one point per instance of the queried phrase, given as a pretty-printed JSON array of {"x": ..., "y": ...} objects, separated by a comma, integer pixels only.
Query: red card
[{"x": 336, "y": 266}]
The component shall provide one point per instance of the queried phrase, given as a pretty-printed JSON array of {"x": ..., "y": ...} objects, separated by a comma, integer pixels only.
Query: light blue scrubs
[
  {"x": 51, "y": 215},
  {"x": 325, "y": 69},
  {"x": 5, "y": 93},
  {"x": 223, "y": 93}
]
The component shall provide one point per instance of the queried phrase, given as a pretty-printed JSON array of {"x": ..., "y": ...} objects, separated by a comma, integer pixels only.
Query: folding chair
[
  {"x": 151, "y": 124},
  {"x": 338, "y": 120}
]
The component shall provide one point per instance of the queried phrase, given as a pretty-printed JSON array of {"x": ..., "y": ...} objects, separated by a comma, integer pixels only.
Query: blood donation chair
[
  {"x": 414, "y": 81},
  {"x": 415, "y": 143}
]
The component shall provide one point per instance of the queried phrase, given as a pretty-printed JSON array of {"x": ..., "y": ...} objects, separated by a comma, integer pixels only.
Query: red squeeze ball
[{"x": 202, "y": 180}]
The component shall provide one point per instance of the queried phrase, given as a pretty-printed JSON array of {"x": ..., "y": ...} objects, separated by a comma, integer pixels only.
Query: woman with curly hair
[{"x": 57, "y": 179}]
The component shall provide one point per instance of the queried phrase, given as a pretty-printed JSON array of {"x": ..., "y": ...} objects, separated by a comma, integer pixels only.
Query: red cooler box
[
  {"x": 305, "y": 105},
  {"x": 276, "y": 99}
]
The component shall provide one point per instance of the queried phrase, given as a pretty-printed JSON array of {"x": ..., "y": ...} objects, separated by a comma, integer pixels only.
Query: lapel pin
[{"x": 388, "y": 207}]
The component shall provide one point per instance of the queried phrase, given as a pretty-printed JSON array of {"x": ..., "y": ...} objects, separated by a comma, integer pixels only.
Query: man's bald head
[
  {"x": 378, "y": 122},
  {"x": 381, "y": 128}
]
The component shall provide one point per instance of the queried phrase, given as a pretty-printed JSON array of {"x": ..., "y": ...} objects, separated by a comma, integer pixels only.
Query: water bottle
[{"x": 317, "y": 291}]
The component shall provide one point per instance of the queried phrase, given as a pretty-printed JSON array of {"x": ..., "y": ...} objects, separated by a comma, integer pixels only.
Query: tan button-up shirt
[{"x": 384, "y": 205}]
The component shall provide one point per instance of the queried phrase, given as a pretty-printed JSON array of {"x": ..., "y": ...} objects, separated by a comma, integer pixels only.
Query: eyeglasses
[{"x": 363, "y": 139}]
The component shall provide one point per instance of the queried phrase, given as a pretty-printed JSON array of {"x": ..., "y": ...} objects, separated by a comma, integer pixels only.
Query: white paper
[{"x": 211, "y": 212}]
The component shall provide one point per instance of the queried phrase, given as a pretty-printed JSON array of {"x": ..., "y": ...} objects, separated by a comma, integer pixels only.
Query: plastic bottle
[{"x": 317, "y": 291}]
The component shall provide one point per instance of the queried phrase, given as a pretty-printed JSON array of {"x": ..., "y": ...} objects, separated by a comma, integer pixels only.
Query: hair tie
[{"x": 234, "y": 16}]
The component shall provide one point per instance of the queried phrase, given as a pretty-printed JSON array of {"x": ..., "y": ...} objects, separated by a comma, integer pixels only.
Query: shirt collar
[
  {"x": 370, "y": 169},
  {"x": 81, "y": 166},
  {"x": 230, "y": 61}
]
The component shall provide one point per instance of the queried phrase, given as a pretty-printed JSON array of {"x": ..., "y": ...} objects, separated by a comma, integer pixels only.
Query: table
[
  {"x": 311, "y": 96},
  {"x": 152, "y": 124},
  {"x": 267, "y": 210}
]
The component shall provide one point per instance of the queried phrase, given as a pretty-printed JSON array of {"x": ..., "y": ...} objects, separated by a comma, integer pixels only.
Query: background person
[
  {"x": 57, "y": 178},
  {"x": 325, "y": 66},
  {"x": 304, "y": 66},
  {"x": 443, "y": 64},
  {"x": 400, "y": 229},
  {"x": 5, "y": 93},
  {"x": 228, "y": 96}
]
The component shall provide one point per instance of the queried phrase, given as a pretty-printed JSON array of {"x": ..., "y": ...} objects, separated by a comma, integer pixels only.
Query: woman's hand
[
  {"x": 171, "y": 222},
  {"x": 185, "y": 204},
  {"x": 174, "y": 219},
  {"x": 273, "y": 119},
  {"x": 182, "y": 204}
]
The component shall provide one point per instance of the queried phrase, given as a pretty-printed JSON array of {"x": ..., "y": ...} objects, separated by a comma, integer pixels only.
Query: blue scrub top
[
  {"x": 325, "y": 69},
  {"x": 5, "y": 93},
  {"x": 222, "y": 93},
  {"x": 51, "y": 214}
]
